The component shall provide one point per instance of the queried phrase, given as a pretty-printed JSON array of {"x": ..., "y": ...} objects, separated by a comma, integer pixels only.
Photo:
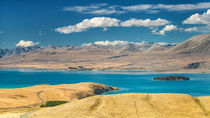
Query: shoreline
[
  {"x": 193, "y": 71},
  {"x": 103, "y": 93}
]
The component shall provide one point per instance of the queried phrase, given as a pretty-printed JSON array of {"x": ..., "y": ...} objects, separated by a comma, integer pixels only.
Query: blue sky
[{"x": 62, "y": 22}]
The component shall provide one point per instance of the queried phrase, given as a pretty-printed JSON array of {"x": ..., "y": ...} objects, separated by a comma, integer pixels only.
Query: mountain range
[
  {"x": 16, "y": 51},
  {"x": 130, "y": 47},
  {"x": 124, "y": 56}
]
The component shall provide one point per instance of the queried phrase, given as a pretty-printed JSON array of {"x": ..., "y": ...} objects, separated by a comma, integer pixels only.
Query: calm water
[{"x": 127, "y": 81}]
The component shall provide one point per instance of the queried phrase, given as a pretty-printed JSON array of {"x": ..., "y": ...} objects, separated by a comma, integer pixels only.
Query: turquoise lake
[{"x": 126, "y": 81}]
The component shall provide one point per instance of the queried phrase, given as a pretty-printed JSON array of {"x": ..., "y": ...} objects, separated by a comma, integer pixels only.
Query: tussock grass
[
  {"x": 201, "y": 106},
  {"x": 96, "y": 104}
]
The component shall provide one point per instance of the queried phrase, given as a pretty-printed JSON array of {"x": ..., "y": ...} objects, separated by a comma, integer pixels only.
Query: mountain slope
[{"x": 197, "y": 44}]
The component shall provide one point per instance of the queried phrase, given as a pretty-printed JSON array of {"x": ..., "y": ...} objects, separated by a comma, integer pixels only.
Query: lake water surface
[{"x": 126, "y": 81}]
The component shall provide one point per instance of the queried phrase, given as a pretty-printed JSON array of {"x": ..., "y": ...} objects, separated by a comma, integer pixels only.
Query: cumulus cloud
[
  {"x": 106, "y": 22},
  {"x": 144, "y": 23},
  {"x": 199, "y": 18},
  {"x": 23, "y": 43},
  {"x": 202, "y": 22},
  {"x": 122, "y": 43},
  {"x": 86, "y": 44},
  {"x": 191, "y": 29},
  {"x": 105, "y": 9},
  {"x": 89, "y": 23},
  {"x": 167, "y": 28},
  {"x": 113, "y": 43}
]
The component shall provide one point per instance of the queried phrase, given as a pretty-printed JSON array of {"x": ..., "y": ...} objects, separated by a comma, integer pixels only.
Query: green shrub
[
  {"x": 196, "y": 65},
  {"x": 53, "y": 103}
]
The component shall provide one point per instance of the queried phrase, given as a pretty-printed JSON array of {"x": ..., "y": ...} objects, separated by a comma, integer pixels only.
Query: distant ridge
[
  {"x": 191, "y": 55},
  {"x": 199, "y": 44},
  {"x": 130, "y": 47},
  {"x": 17, "y": 51}
]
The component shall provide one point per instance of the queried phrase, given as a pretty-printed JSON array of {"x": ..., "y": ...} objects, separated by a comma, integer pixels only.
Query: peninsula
[{"x": 34, "y": 96}]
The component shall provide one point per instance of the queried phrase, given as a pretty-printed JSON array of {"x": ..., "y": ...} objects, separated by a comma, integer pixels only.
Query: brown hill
[{"x": 199, "y": 44}]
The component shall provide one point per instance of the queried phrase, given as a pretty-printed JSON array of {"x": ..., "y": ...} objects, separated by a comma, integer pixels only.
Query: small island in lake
[{"x": 171, "y": 78}]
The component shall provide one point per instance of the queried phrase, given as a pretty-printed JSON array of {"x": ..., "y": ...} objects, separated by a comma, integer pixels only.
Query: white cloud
[
  {"x": 101, "y": 8},
  {"x": 144, "y": 23},
  {"x": 113, "y": 43},
  {"x": 106, "y": 22},
  {"x": 105, "y": 9},
  {"x": 84, "y": 8},
  {"x": 139, "y": 7},
  {"x": 182, "y": 7},
  {"x": 167, "y": 28},
  {"x": 199, "y": 18},
  {"x": 89, "y": 23},
  {"x": 23, "y": 43},
  {"x": 167, "y": 7},
  {"x": 191, "y": 29},
  {"x": 86, "y": 44},
  {"x": 123, "y": 43}
]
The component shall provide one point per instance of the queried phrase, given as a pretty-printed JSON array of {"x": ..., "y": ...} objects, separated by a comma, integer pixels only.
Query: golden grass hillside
[
  {"x": 132, "y": 105},
  {"x": 35, "y": 95}
]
